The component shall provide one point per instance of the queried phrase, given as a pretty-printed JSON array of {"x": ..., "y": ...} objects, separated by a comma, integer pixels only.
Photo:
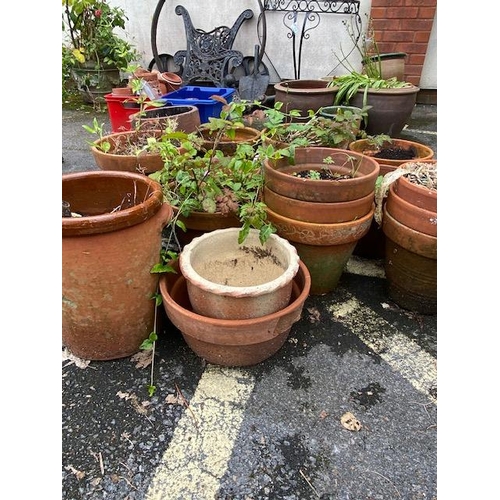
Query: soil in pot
[
  {"x": 397, "y": 153},
  {"x": 232, "y": 280}
]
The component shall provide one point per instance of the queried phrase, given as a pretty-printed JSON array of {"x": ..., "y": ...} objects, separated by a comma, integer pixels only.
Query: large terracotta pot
[
  {"x": 304, "y": 95},
  {"x": 231, "y": 280},
  {"x": 186, "y": 117},
  {"x": 421, "y": 151},
  {"x": 390, "y": 109},
  {"x": 143, "y": 162},
  {"x": 279, "y": 176},
  {"x": 324, "y": 248},
  {"x": 410, "y": 266},
  {"x": 233, "y": 342},
  {"x": 107, "y": 255}
]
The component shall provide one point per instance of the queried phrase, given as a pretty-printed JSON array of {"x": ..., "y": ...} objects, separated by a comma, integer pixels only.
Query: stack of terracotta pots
[
  {"x": 323, "y": 218},
  {"x": 235, "y": 303},
  {"x": 410, "y": 226}
]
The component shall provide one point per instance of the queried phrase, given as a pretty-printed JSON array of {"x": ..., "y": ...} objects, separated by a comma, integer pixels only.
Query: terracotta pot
[
  {"x": 390, "y": 109},
  {"x": 392, "y": 65},
  {"x": 372, "y": 244},
  {"x": 107, "y": 255},
  {"x": 414, "y": 217},
  {"x": 422, "y": 152},
  {"x": 122, "y": 91},
  {"x": 322, "y": 213},
  {"x": 304, "y": 95},
  {"x": 234, "y": 342},
  {"x": 229, "y": 280},
  {"x": 324, "y": 248},
  {"x": 169, "y": 82},
  {"x": 228, "y": 145},
  {"x": 415, "y": 194},
  {"x": 410, "y": 266},
  {"x": 278, "y": 175},
  {"x": 143, "y": 163},
  {"x": 186, "y": 117}
]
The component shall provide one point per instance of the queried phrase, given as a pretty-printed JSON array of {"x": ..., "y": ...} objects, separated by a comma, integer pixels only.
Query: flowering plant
[{"x": 89, "y": 26}]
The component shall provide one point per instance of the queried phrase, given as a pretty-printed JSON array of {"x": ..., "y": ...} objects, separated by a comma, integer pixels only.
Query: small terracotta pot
[
  {"x": 322, "y": 213},
  {"x": 278, "y": 175},
  {"x": 228, "y": 145},
  {"x": 142, "y": 163},
  {"x": 410, "y": 266},
  {"x": 423, "y": 152},
  {"x": 415, "y": 194},
  {"x": 324, "y": 248},
  {"x": 234, "y": 342},
  {"x": 107, "y": 256},
  {"x": 229, "y": 280},
  {"x": 169, "y": 82},
  {"x": 414, "y": 217}
]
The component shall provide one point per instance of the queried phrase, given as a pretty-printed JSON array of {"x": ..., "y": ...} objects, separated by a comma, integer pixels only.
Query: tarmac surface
[{"x": 272, "y": 431}]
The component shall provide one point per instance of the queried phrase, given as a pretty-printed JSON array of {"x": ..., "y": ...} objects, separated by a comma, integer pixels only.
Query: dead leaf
[
  {"x": 78, "y": 473},
  {"x": 323, "y": 414},
  {"x": 350, "y": 422},
  {"x": 314, "y": 314},
  {"x": 138, "y": 407},
  {"x": 80, "y": 363},
  {"x": 172, "y": 399},
  {"x": 143, "y": 358}
]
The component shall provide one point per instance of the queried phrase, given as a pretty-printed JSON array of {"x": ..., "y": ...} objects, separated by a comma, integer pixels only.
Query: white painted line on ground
[
  {"x": 203, "y": 440},
  {"x": 401, "y": 353},
  {"x": 417, "y": 131}
]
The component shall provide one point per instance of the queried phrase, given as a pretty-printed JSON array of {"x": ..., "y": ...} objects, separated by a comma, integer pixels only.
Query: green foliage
[
  {"x": 202, "y": 178},
  {"x": 90, "y": 37}
]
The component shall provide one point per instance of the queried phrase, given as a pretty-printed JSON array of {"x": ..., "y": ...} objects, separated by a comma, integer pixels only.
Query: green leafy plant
[
  {"x": 90, "y": 37},
  {"x": 371, "y": 77},
  {"x": 201, "y": 177}
]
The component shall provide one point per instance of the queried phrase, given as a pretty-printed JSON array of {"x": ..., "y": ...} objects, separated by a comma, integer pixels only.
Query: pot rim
[{"x": 238, "y": 291}]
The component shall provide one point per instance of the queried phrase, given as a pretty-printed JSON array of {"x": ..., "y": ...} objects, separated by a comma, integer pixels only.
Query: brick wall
[{"x": 404, "y": 26}]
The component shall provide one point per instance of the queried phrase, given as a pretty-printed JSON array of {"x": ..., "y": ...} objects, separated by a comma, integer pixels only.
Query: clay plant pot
[
  {"x": 322, "y": 213},
  {"x": 186, "y": 117},
  {"x": 324, "y": 248},
  {"x": 410, "y": 266},
  {"x": 421, "y": 151},
  {"x": 279, "y": 176},
  {"x": 415, "y": 194},
  {"x": 228, "y": 145},
  {"x": 229, "y": 280},
  {"x": 169, "y": 82},
  {"x": 413, "y": 216},
  {"x": 390, "y": 109},
  {"x": 199, "y": 223},
  {"x": 372, "y": 244},
  {"x": 107, "y": 255},
  {"x": 143, "y": 162},
  {"x": 236, "y": 342},
  {"x": 304, "y": 95}
]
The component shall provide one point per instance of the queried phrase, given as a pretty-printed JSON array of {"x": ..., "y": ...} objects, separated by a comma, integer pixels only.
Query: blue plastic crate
[{"x": 200, "y": 97}]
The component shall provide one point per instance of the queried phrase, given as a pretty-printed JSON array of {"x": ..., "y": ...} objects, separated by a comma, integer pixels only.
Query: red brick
[
  {"x": 416, "y": 24},
  {"x": 422, "y": 36},
  {"x": 388, "y": 3},
  {"x": 402, "y": 13},
  {"x": 421, "y": 3},
  {"x": 383, "y": 25},
  {"x": 416, "y": 59},
  {"x": 413, "y": 48},
  {"x": 378, "y": 13},
  {"x": 399, "y": 36},
  {"x": 426, "y": 12}
]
